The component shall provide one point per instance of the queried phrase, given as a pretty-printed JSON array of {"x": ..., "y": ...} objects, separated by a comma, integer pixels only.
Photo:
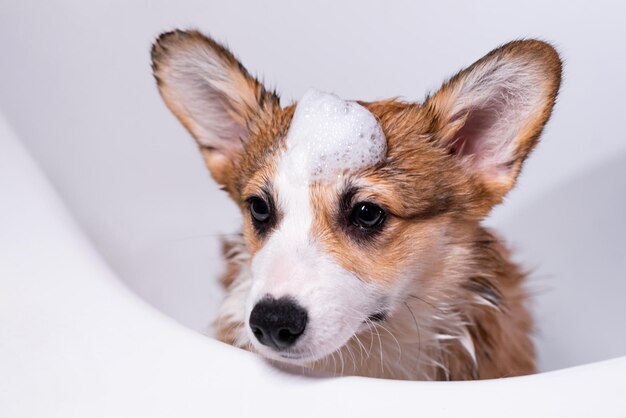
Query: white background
[{"x": 75, "y": 84}]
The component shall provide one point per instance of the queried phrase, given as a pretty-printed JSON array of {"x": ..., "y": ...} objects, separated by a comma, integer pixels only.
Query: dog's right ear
[{"x": 212, "y": 95}]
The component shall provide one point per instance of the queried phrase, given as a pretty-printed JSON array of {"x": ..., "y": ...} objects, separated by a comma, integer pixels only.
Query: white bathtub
[
  {"x": 109, "y": 232},
  {"x": 77, "y": 342}
]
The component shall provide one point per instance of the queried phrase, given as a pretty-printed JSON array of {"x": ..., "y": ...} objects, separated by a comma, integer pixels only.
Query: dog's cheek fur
[
  {"x": 230, "y": 322},
  {"x": 454, "y": 280},
  {"x": 495, "y": 307}
]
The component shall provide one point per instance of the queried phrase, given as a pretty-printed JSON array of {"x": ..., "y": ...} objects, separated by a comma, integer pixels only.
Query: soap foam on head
[{"x": 330, "y": 137}]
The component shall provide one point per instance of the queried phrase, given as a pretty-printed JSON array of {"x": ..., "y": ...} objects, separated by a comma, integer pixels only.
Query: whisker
[
  {"x": 342, "y": 362},
  {"x": 361, "y": 348},
  {"x": 426, "y": 302},
  {"x": 380, "y": 344},
  {"x": 351, "y": 356},
  {"x": 419, "y": 336},
  {"x": 392, "y": 336}
]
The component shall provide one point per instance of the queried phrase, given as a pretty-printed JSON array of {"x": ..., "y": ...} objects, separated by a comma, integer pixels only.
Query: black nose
[{"x": 278, "y": 323}]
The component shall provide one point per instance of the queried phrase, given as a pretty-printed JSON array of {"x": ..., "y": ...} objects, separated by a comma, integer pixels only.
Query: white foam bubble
[{"x": 330, "y": 137}]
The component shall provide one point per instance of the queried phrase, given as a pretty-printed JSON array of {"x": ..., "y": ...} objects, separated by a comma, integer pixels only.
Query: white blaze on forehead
[{"x": 330, "y": 137}]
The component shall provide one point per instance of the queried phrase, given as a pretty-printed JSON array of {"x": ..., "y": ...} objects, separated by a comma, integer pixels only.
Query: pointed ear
[
  {"x": 490, "y": 115},
  {"x": 211, "y": 94}
]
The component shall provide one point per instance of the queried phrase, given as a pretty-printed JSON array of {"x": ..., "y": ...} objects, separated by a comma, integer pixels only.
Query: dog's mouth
[{"x": 292, "y": 356}]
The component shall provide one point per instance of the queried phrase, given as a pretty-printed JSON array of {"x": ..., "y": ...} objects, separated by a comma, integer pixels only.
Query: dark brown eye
[
  {"x": 367, "y": 215},
  {"x": 259, "y": 210}
]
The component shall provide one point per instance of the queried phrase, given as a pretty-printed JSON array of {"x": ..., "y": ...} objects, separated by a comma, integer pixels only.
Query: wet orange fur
[{"x": 435, "y": 204}]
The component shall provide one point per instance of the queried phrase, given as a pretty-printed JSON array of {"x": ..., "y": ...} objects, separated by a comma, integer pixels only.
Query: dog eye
[
  {"x": 367, "y": 215},
  {"x": 259, "y": 210}
]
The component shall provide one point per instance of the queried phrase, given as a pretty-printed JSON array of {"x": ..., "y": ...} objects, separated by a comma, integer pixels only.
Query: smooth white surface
[{"x": 76, "y": 343}]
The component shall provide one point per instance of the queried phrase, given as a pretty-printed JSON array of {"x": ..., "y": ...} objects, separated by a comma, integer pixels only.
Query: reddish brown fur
[{"x": 435, "y": 205}]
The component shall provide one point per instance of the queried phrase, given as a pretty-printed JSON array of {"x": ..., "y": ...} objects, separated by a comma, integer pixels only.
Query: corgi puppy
[{"x": 362, "y": 250}]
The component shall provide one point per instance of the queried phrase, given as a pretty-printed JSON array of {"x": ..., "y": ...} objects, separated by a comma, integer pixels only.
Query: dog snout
[{"x": 278, "y": 323}]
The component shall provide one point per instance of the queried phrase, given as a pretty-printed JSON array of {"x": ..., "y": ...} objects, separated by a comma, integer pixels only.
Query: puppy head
[{"x": 349, "y": 205}]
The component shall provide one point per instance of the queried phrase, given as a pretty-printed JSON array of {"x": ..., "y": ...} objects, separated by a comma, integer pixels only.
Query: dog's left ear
[{"x": 490, "y": 115}]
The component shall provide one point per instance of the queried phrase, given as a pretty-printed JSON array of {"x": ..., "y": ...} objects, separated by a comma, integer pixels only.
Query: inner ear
[{"x": 485, "y": 137}]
